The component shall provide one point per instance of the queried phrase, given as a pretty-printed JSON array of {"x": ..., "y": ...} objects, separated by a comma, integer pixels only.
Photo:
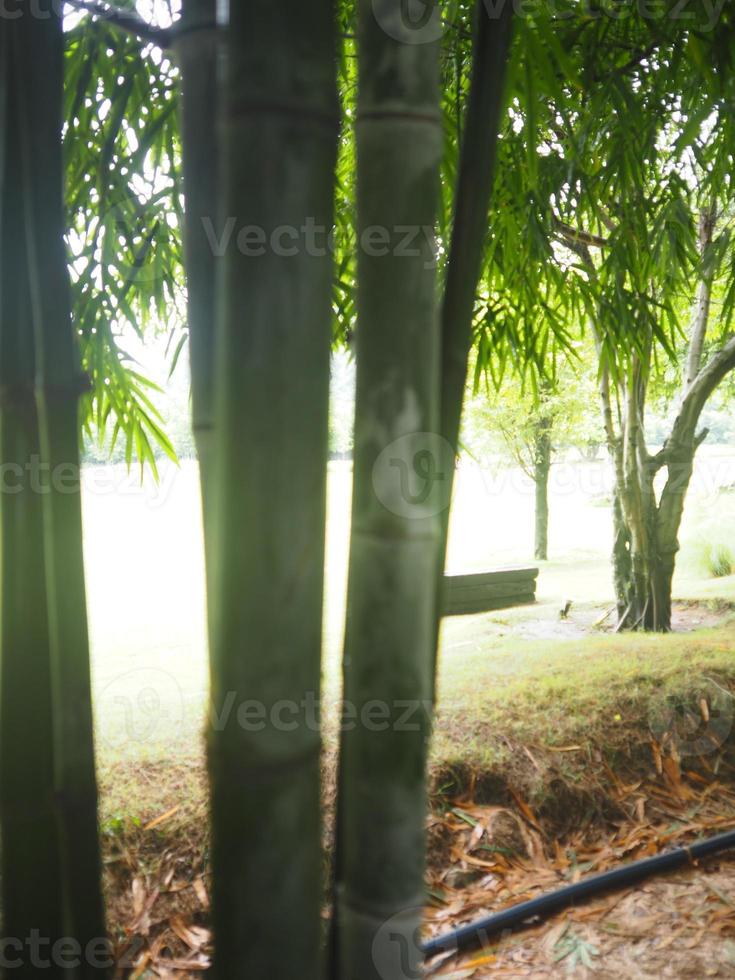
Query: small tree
[
  {"x": 616, "y": 198},
  {"x": 531, "y": 424},
  {"x": 647, "y": 516}
]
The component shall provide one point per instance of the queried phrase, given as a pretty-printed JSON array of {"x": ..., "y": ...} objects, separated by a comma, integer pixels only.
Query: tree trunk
[
  {"x": 541, "y": 470},
  {"x": 279, "y": 129},
  {"x": 647, "y": 536},
  {"x": 621, "y": 559},
  {"x": 644, "y": 586},
  {"x": 669, "y": 512},
  {"x": 648, "y": 529},
  {"x": 398, "y": 470},
  {"x": 636, "y": 577},
  {"x": 659, "y": 597}
]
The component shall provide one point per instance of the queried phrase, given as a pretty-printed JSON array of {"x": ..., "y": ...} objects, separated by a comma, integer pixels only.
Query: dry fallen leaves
[{"x": 669, "y": 926}]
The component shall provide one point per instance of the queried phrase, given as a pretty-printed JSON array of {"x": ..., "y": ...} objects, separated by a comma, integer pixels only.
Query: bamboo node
[{"x": 398, "y": 115}]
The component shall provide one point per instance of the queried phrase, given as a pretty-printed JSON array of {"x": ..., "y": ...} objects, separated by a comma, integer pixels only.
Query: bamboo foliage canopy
[{"x": 617, "y": 129}]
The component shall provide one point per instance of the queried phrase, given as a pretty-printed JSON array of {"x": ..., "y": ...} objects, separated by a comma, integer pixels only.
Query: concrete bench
[{"x": 485, "y": 591}]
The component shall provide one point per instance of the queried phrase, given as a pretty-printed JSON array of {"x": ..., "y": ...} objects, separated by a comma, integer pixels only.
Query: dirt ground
[{"x": 543, "y": 621}]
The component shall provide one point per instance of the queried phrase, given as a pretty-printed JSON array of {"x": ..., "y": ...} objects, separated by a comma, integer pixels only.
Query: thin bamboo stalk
[
  {"x": 195, "y": 48},
  {"x": 469, "y": 233},
  {"x": 58, "y": 387},
  {"x": 472, "y": 201},
  {"x": 279, "y": 131},
  {"x": 30, "y": 866},
  {"x": 395, "y": 528}
]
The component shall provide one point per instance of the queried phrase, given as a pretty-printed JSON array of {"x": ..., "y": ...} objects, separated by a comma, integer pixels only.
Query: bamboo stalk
[
  {"x": 195, "y": 48},
  {"x": 58, "y": 388},
  {"x": 472, "y": 201},
  {"x": 395, "y": 530},
  {"x": 279, "y": 135},
  {"x": 31, "y": 886},
  {"x": 469, "y": 233}
]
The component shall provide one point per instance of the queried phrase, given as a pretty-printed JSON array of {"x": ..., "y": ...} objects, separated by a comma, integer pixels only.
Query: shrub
[{"x": 718, "y": 560}]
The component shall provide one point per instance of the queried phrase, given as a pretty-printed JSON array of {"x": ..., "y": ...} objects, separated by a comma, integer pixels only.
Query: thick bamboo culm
[
  {"x": 279, "y": 127},
  {"x": 395, "y": 534},
  {"x": 30, "y": 865},
  {"x": 39, "y": 41}
]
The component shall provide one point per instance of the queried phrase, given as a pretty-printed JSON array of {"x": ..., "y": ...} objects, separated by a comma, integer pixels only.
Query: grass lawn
[
  {"x": 518, "y": 683},
  {"x": 528, "y": 711}
]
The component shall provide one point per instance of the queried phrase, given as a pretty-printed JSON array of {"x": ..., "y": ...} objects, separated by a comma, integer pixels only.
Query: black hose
[{"x": 476, "y": 933}]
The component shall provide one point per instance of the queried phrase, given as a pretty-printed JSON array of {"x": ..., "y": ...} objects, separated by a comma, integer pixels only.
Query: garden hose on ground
[{"x": 476, "y": 933}]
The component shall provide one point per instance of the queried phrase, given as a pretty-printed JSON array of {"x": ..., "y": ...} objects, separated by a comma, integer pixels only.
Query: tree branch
[
  {"x": 607, "y": 220},
  {"x": 128, "y": 22},
  {"x": 612, "y": 438},
  {"x": 700, "y": 437},
  {"x": 576, "y": 236},
  {"x": 708, "y": 378},
  {"x": 702, "y": 306},
  {"x": 659, "y": 460}
]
